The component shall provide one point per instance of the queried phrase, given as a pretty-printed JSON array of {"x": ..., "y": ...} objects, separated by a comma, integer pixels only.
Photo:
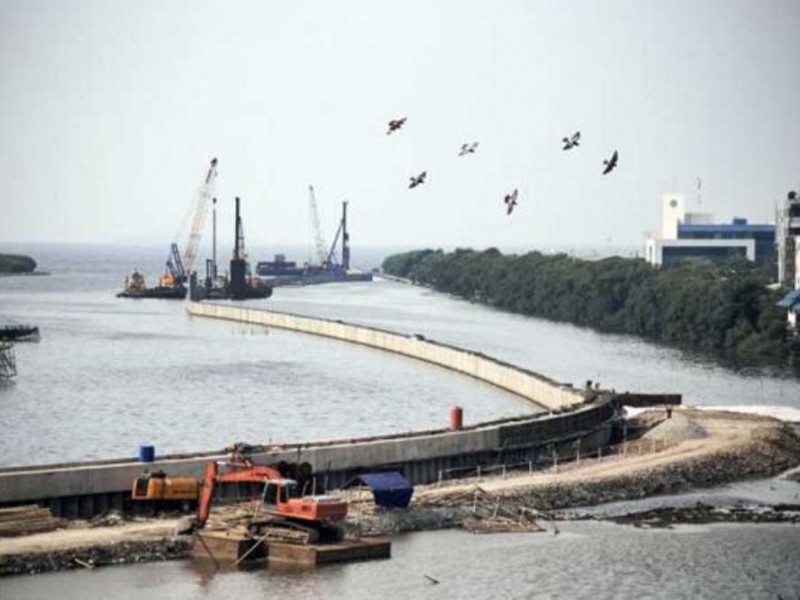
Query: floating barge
[
  {"x": 329, "y": 268},
  {"x": 19, "y": 333},
  {"x": 316, "y": 277},
  {"x": 237, "y": 548}
]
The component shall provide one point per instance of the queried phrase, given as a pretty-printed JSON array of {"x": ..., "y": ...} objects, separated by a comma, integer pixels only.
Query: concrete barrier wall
[
  {"x": 532, "y": 386},
  {"x": 83, "y": 489}
]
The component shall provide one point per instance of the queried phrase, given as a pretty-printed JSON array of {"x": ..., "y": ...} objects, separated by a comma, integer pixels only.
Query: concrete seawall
[
  {"x": 573, "y": 425},
  {"x": 537, "y": 388},
  {"x": 84, "y": 489}
]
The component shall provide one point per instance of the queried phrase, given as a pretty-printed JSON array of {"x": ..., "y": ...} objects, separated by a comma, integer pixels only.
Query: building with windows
[{"x": 695, "y": 235}]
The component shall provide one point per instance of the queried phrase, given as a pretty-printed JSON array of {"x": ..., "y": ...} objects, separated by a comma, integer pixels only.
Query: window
[{"x": 271, "y": 494}]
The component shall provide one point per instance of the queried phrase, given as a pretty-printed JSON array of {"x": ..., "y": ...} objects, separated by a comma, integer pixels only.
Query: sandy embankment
[
  {"x": 693, "y": 449},
  {"x": 84, "y": 546}
]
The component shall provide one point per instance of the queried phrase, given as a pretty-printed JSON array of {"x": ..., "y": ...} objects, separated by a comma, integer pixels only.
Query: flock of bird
[{"x": 510, "y": 200}]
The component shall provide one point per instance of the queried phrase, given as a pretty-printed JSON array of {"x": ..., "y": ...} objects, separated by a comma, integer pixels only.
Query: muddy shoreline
[
  {"x": 121, "y": 553},
  {"x": 737, "y": 448}
]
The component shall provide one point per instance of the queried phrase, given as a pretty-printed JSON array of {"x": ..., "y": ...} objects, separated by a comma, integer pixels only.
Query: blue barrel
[{"x": 147, "y": 454}]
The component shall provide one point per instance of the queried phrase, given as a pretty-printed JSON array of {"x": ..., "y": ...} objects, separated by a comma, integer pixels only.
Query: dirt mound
[{"x": 677, "y": 429}]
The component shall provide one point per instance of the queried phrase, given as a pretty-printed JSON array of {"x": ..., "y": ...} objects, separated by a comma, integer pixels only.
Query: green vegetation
[
  {"x": 16, "y": 263},
  {"x": 725, "y": 309}
]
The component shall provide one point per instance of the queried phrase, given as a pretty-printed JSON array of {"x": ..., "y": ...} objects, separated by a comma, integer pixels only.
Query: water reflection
[{"x": 587, "y": 560}]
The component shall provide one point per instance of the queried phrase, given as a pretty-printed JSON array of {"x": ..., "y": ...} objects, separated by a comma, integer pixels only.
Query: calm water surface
[
  {"x": 110, "y": 374},
  {"x": 586, "y": 560}
]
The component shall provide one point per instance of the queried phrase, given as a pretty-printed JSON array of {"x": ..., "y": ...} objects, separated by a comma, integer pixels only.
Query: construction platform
[
  {"x": 238, "y": 548},
  {"x": 319, "y": 554},
  {"x": 227, "y": 547}
]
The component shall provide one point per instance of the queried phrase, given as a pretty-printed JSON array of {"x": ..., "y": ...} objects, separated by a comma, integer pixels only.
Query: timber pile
[
  {"x": 493, "y": 514},
  {"x": 246, "y": 519},
  {"x": 360, "y": 503},
  {"x": 24, "y": 520},
  {"x": 229, "y": 516}
]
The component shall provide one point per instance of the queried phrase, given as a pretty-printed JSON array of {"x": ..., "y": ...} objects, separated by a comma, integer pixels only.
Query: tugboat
[{"x": 135, "y": 287}]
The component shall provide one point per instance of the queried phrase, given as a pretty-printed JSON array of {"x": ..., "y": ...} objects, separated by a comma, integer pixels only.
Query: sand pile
[{"x": 677, "y": 429}]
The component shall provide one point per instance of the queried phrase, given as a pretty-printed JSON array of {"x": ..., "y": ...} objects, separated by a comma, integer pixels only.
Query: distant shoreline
[
  {"x": 31, "y": 274},
  {"x": 724, "y": 312},
  {"x": 17, "y": 264}
]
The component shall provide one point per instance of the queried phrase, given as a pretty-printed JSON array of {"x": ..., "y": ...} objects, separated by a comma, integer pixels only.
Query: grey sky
[{"x": 110, "y": 111}]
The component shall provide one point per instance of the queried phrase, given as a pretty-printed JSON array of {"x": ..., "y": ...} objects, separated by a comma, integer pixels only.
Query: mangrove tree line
[{"x": 724, "y": 309}]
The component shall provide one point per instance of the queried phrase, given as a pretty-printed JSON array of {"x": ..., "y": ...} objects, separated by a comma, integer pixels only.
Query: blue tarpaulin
[{"x": 389, "y": 489}]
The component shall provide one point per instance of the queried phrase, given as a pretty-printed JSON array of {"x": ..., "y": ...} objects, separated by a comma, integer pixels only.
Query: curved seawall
[
  {"x": 573, "y": 426},
  {"x": 550, "y": 394}
]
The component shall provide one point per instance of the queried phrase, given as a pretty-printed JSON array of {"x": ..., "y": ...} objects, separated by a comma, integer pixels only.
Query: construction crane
[
  {"x": 318, "y": 517},
  {"x": 204, "y": 195},
  {"x": 316, "y": 230},
  {"x": 179, "y": 268},
  {"x": 330, "y": 260},
  {"x": 175, "y": 264}
]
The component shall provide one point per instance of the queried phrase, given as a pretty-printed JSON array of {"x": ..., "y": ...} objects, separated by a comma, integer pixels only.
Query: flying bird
[
  {"x": 432, "y": 580},
  {"x": 395, "y": 124},
  {"x": 611, "y": 163},
  {"x": 418, "y": 180},
  {"x": 511, "y": 201},
  {"x": 468, "y": 148},
  {"x": 570, "y": 143}
]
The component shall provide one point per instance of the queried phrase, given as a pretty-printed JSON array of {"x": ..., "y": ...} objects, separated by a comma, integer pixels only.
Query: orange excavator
[
  {"x": 158, "y": 490},
  {"x": 283, "y": 505}
]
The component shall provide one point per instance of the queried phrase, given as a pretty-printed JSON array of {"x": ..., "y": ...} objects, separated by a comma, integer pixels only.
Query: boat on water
[
  {"x": 19, "y": 333},
  {"x": 135, "y": 287},
  {"x": 279, "y": 267},
  {"x": 328, "y": 267},
  {"x": 316, "y": 276}
]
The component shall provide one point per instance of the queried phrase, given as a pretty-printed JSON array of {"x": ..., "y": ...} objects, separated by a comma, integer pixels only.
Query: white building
[{"x": 695, "y": 235}]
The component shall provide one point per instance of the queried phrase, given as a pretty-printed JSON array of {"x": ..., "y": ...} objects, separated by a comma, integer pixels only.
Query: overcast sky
[{"x": 110, "y": 112}]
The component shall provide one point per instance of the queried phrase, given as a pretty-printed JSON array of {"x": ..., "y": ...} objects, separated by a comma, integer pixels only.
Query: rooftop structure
[{"x": 695, "y": 235}]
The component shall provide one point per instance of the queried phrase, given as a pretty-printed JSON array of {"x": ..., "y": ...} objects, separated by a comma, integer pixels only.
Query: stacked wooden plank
[{"x": 24, "y": 520}]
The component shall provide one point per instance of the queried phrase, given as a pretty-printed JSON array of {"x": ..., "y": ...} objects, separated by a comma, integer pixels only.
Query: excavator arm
[{"x": 243, "y": 472}]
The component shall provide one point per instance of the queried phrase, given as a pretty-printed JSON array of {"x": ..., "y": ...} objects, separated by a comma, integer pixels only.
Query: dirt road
[{"x": 697, "y": 449}]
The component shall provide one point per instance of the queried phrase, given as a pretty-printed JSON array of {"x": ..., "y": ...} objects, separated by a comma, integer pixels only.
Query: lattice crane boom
[{"x": 204, "y": 195}]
